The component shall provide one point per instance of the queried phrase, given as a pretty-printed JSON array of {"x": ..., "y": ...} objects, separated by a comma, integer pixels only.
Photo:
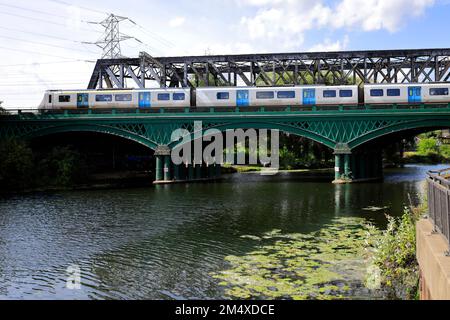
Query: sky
[{"x": 44, "y": 44}]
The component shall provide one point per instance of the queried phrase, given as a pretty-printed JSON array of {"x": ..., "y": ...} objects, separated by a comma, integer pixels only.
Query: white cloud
[
  {"x": 285, "y": 22},
  {"x": 177, "y": 22},
  {"x": 328, "y": 45},
  {"x": 372, "y": 15}
]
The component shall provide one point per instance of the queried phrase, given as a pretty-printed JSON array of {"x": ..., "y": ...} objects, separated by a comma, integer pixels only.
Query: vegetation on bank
[
  {"x": 429, "y": 149},
  {"x": 22, "y": 169},
  {"x": 392, "y": 255}
]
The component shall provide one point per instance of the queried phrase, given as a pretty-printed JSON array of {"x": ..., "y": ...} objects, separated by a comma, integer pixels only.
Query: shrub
[
  {"x": 393, "y": 256},
  {"x": 444, "y": 150},
  {"x": 16, "y": 165},
  {"x": 427, "y": 146}
]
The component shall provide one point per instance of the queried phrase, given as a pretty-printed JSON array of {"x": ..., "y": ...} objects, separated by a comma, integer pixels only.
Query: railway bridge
[{"x": 353, "y": 132}]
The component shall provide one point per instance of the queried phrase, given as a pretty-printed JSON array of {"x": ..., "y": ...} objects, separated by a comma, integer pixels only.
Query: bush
[
  {"x": 393, "y": 256},
  {"x": 427, "y": 146},
  {"x": 444, "y": 150},
  {"x": 62, "y": 167},
  {"x": 16, "y": 165}
]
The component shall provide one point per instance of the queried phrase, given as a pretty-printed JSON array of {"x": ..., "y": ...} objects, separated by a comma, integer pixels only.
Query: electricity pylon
[{"x": 111, "y": 39}]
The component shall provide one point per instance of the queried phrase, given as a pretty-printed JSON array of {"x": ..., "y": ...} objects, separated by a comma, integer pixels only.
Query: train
[{"x": 318, "y": 95}]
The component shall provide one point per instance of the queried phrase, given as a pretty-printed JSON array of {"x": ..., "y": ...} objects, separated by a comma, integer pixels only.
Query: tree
[{"x": 16, "y": 165}]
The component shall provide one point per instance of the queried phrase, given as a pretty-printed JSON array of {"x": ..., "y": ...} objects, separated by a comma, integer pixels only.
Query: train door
[
  {"x": 82, "y": 100},
  {"x": 144, "y": 100},
  {"x": 242, "y": 98},
  {"x": 309, "y": 96},
  {"x": 414, "y": 94}
]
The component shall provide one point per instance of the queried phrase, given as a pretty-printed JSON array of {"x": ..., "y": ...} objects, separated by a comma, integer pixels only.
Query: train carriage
[{"x": 406, "y": 93}]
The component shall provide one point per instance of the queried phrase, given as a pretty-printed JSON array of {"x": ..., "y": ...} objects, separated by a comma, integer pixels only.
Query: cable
[
  {"x": 46, "y": 44},
  {"x": 80, "y": 7},
  {"x": 39, "y": 63},
  {"x": 40, "y": 34},
  {"x": 39, "y": 53},
  {"x": 33, "y": 10},
  {"x": 43, "y": 20}
]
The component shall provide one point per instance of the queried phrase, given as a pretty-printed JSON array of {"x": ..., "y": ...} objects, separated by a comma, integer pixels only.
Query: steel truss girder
[{"x": 388, "y": 66}]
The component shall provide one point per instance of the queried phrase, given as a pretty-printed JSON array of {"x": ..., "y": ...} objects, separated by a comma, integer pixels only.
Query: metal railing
[
  {"x": 41, "y": 113},
  {"x": 439, "y": 201}
]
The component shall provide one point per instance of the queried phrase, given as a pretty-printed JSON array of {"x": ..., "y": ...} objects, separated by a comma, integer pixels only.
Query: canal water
[{"x": 170, "y": 242}]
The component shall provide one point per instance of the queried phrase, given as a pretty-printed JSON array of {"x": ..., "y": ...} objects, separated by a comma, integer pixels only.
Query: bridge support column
[
  {"x": 163, "y": 165},
  {"x": 343, "y": 164},
  {"x": 176, "y": 172},
  {"x": 190, "y": 171},
  {"x": 198, "y": 171},
  {"x": 337, "y": 167},
  {"x": 159, "y": 174},
  {"x": 347, "y": 171},
  {"x": 218, "y": 168},
  {"x": 167, "y": 165}
]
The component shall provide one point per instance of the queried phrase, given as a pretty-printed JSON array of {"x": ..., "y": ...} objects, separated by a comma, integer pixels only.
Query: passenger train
[{"x": 319, "y": 95}]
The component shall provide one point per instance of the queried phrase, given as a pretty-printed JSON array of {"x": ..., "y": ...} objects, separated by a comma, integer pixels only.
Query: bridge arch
[
  {"x": 431, "y": 124},
  {"x": 286, "y": 128},
  {"x": 92, "y": 128}
]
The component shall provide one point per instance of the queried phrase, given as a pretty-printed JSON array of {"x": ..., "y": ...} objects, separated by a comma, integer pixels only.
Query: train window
[
  {"x": 265, "y": 95},
  {"x": 64, "y": 99},
  {"x": 329, "y": 93},
  {"x": 286, "y": 94},
  {"x": 123, "y": 97},
  {"x": 179, "y": 96},
  {"x": 345, "y": 93},
  {"x": 393, "y": 92},
  {"x": 163, "y": 96},
  {"x": 376, "y": 93},
  {"x": 223, "y": 95},
  {"x": 103, "y": 98},
  {"x": 439, "y": 92},
  {"x": 49, "y": 98}
]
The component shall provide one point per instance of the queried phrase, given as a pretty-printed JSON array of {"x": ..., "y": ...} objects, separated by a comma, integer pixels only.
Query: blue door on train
[
  {"x": 309, "y": 96},
  {"x": 145, "y": 100},
  {"x": 414, "y": 94},
  {"x": 82, "y": 100},
  {"x": 242, "y": 99}
]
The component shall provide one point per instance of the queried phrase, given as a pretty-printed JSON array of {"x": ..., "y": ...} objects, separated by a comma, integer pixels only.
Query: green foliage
[
  {"x": 287, "y": 158},
  {"x": 393, "y": 256},
  {"x": 21, "y": 169},
  {"x": 62, "y": 167},
  {"x": 444, "y": 150},
  {"x": 16, "y": 164},
  {"x": 428, "y": 146}
]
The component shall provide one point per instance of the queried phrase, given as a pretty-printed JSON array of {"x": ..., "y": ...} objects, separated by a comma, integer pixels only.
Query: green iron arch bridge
[{"x": 348, "y": 130}]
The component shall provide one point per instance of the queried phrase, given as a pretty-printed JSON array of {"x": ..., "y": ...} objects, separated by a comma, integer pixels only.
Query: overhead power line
[
  {"x": 43, "y": 20},
  {"x": 77, "y": 6},
  {"x": 46, "y": 44}
]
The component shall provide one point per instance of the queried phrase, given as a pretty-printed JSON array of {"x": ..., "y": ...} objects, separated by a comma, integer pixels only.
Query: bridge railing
[
  {"x": 40, "y": 113},
  {"x": 439, "y": 201}
]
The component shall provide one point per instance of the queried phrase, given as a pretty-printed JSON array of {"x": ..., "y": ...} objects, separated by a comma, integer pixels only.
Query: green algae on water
[{"x": 323, "y": 264}]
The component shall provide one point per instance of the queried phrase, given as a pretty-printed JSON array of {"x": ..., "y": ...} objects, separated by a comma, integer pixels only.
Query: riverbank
[
  {"x": 413, "y": 157},
  {"x": 226, "y": 169}
]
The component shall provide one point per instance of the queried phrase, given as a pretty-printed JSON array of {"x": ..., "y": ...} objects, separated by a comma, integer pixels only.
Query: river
[{"x": 165, "y": 242}]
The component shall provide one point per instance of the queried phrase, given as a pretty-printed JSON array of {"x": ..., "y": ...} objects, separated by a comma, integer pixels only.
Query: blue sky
[{"x": 40, "y": 41}]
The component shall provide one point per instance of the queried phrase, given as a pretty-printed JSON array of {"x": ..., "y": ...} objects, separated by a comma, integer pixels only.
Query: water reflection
[{"x": 163, "y": 242}]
